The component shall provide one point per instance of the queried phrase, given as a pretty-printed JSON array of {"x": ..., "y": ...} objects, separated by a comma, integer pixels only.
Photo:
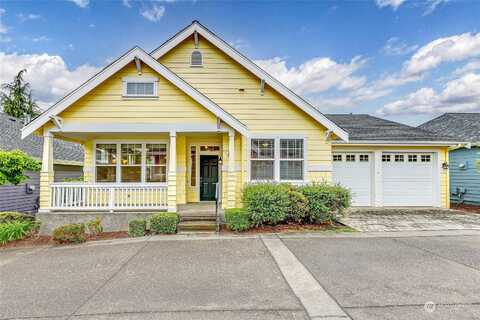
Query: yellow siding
[
  {"x": 220, "y": 79},
  {"x": 105, "y": 104},
  {"x": 443, "y": 154}
]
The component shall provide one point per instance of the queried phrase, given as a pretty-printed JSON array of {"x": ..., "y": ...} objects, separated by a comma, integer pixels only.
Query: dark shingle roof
[
  {"x": 10, "y": 139},
  {"x": 364, "y": 127},
  {"x": 465, "y": 126}
]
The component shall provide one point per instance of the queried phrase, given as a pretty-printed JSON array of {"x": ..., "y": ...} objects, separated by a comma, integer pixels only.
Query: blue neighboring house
[{"x": 464, "y": 161}]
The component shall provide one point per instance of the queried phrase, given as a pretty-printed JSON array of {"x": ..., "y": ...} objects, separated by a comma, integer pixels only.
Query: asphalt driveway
[{"x": 241, "y": 278}]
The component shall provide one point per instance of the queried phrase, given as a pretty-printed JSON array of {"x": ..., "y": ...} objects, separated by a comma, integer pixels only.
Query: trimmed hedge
[
  {"x": 298, "y": 209},
  {"x": 164, "y": 222},
  {"x": 267, "y": 203},
  {"x": 11, "y": 216},
  {"x": 237, "y": 219},
  {"x": 137, "y": 228},
  {"x": 70, "y": 233}
]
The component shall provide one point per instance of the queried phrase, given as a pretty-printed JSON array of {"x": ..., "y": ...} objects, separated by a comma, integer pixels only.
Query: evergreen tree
[{"x": 16, "y": 98}]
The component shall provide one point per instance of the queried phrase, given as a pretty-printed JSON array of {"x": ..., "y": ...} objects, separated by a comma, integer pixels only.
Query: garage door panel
[
  {"x": 408, "y": 183},
  {"x": 356, "y": 176}
]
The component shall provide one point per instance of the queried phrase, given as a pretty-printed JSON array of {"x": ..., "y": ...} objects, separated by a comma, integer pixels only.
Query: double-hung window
[
  {"x": 136, "y": 162},
  {"x": 141, "y": 87},
  {"x": 277, "y": 159}
]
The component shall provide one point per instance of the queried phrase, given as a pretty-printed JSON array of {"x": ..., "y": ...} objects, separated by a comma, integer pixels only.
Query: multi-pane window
[
  {"x": 386, "y": 158},
  {"x": 156, "y": 162},
  {"x": 399, "y": 158},
  {"x": 131, "y": 163},
  {"x": 337, "y": 157},
  {"x": 140, "y": 88},
  {"x": 412, "y": 158},
  {"x": 291, "y": 159},
  {"x": 193, "y": 168},
  {"x": 262, "y": 159},
  {"x": 136, "y": 162},
  {"x": 196, "y": 59},
  {"x": 425, "y": 158},
  {"x": 363, "y": 158},
  {"x": 106, "y": 162},
  {"x": 350, "y": 158}
]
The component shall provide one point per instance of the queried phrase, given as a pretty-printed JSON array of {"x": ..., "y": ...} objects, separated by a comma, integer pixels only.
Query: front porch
[{"x": 159, "y": 171}]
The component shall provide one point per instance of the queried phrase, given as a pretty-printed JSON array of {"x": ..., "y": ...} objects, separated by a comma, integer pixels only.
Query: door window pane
[{"x": 193, "y": 169}]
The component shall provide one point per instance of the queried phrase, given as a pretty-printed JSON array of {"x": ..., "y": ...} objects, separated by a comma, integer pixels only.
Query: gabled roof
[
  {"x": 116, "y": 66},
  {"x": 10, "y": 139},
  {"x": 464, "y": 126},
  {"x": 253, "y": 68},
  {"x": 367, "y": 128}
]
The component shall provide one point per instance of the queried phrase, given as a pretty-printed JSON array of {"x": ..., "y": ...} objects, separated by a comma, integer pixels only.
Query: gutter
[{"x": 398, "y": 143}]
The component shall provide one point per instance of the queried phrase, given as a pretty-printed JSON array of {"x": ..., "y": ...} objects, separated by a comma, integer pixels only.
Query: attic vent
[{"x": 196, "y": 59}]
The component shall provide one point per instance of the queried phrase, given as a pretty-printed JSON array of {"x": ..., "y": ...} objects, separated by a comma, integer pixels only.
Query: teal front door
[{"x": 208, "y": 177}]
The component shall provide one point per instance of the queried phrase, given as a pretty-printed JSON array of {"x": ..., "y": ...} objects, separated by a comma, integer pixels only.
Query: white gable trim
[
  {"x": 116, "y": 66},
  {"x": 253, "y": 68}
]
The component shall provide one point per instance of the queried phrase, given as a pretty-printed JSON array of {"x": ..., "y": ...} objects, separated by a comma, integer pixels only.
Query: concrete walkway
[{"x": 292, "y": 276}]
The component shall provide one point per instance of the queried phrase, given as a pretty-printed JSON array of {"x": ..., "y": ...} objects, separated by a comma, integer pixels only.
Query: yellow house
[{"x": 195, "y": 120}]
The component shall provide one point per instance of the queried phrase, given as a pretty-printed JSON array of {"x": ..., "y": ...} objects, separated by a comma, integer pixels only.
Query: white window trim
[
  {"x": 140, "y": 79},
  {"x": 119, "y": 166},
  {"x": 201, "y": 59},
  {"x": 276, "y": 162}
]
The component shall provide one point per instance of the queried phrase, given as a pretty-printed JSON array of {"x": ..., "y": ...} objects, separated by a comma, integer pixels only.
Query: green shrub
[
  {"x": 94, "y": 226},
  {"x": 10, "y": 216},
  {"x": 137, "y": 228},
  {"x": 267, "y": 203},
  {"x": 298, "y": 208},
  {"x": 325, "y": 201},
  {"x": 164, "y": 222},
  {"x": 15, "y": 230},
  {"x": 70, "y": 233},
  {"x": 237, "y": 219}
]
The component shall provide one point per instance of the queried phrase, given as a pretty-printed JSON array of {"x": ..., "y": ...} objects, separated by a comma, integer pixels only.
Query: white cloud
[
  {"x": 239, "y": 44},
  {"x": 28, "y": 16},
  {"x": 432, "y": 5},
  {"x": 41, "y": 39},
  {"x": 3, "y": 28},
  {"x": 49, "y": 76},
  {"x": 315, "y": 75},
  {"x": 127, "y": 3},
  {"x": 458, "y": 95},
  {"x": 390, "y": 3},
  {"x": 449, "y": 49},
  {"x": 81, "y": 3},
  {"x": 471, "y": 66},
  {"x": 395, "y": 47},
  {"x": 153, "y": 13}
]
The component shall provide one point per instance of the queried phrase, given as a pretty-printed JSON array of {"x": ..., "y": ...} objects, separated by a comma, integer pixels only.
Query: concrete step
[
  {"x": 193, "y": 226},
  {"x": 207, "y": 217}
]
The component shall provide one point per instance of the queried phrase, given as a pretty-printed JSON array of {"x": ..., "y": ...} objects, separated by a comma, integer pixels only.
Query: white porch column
[
  {"x": 46, "y": 174},
  {"x": 232, "y": 175},
  {"x": 172, "y": 173}
]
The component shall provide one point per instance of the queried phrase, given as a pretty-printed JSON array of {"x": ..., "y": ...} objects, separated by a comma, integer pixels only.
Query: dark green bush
[
  {"x": 267, "y": 203},
  {"x": 16, "y": 230},
  {"x": 298, "y": 207},
  {"x": 70, "y": 233},
  {"x": 325, "y": 201},
  {"x": 137, "y": 228},
  {"x": 237, "y": 219},
  {"x": 164, "y": 222},
  {"x": 94, "y": 226},
  {"x": 10, "y": 216}
]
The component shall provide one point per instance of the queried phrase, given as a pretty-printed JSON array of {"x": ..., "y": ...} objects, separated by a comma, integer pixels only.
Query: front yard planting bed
[
  {"x": 467, "y": 208},
  {"x": 334, "y": 227}
]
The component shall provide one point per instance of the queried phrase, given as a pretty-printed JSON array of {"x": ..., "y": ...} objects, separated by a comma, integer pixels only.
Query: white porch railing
[{"x": 81, "y": 196}]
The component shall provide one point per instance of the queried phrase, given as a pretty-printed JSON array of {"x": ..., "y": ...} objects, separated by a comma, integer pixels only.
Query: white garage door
[
  {"x": 408, "y": 179},
  {"x": 354, "y": 171}
]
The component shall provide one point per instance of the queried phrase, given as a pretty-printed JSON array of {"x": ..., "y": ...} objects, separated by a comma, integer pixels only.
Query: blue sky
[{"x": 400, "y": 59}]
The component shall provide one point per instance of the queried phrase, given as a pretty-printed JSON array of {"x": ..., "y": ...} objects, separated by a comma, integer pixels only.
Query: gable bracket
[
  {"x": 57, "y": 121},
  {"x": 138, "y": 65},
  {"x": 195, "y": 37},
  {"x": 262, "y": 87}
]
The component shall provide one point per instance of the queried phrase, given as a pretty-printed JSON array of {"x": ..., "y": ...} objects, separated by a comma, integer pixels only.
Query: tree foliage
[
  {"x": 13, "y": 165},
  {"x": 16, "y": 98}
]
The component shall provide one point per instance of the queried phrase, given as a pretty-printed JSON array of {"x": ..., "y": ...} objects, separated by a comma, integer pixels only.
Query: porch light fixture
[
  {"x": 220, "y": 161},
  {"x": 445, "y": 165}
]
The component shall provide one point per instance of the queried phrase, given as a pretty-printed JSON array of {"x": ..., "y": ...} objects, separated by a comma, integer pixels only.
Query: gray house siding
[
  {"x": 466, "y": 178},
  {"x": 16, "y": 198}
]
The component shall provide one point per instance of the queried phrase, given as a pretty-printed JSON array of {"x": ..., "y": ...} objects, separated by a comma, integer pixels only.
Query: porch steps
[{"x": 197, "y": 226}]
